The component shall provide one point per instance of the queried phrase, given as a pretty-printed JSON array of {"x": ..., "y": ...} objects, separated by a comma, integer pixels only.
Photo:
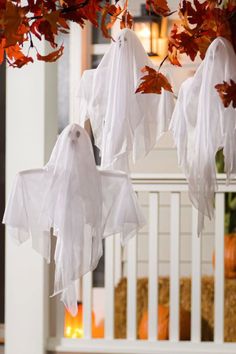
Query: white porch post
[
  {"x": 31, "y": 128},
  {"x": 80, "y": 60}
]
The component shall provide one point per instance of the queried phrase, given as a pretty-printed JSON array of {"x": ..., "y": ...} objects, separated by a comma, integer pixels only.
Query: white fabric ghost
[
  {"x": 74, "y": 201},
  {"x": 201, "y": 125},
  {"x": 124, "y": 123}
]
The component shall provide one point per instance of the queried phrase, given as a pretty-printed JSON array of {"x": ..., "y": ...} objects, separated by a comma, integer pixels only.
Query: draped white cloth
[
  {"x": 74, "y": 201},
  {"x": 201, "y": 125},
  {"x": 124, "y": 123}
]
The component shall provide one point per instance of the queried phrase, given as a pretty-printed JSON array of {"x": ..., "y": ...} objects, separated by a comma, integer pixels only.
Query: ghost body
[
  {"x": 201, "y": 126},
  {"x": 78, "y": 204},
  {"x": 125, "y": 125}
]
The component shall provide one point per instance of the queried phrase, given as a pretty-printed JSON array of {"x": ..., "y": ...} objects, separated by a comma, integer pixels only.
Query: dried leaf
[
  {"x": 126, "y": 20},
  {"x": 110, "y": 12},
  {"x": 16, "y": 58},
  {"x": 53, "y": 56},
  {"x": 227, "y": 92},
  {"x": 173, "y": 47},
  {"x": 153, "y": 82},
  {"x": 159, "y": 7},
  {"x": 201, "y": 23}
]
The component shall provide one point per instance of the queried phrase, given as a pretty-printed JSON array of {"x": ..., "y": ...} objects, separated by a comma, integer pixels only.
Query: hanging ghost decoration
[
  {"x": 124, "y": 124},
  {"x": 201, "y": 125},
  {"x": 78, "y": 204}
]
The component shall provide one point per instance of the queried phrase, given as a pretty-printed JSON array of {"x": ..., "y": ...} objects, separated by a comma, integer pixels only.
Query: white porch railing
[{"x": 154, "y": 185}]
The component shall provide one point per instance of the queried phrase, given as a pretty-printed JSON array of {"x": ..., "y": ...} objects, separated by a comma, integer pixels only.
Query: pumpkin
[
  {"x": 98, "y": 331},
  {"x": 73, "y": 325},
  {"x": 229, "y": 256},
  {"x": 163, "y": 324}
]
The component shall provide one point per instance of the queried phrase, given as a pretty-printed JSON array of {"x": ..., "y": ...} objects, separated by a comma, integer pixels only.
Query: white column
[
  {"x": 31, "y": 128},
  {"x": 80, "y": 60}
]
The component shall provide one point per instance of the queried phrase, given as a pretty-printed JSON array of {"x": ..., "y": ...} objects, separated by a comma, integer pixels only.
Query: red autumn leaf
[
  {"x": 187, "y": 45},
  {"x": 90, "y": 11},
  {"x": 19, "y": 63},
  {"x": 16, "y": 58},
  {"x": 227, "y": 92},
  {"x": 181, "y": 42},
  {"x": 45, "y": 29},
  {"x": 153, "y": 82},
  {"x": 201, "y": 23},
  {"x": 159, "y": 7},
  {"x": 126, "y": 20},
  {"x": 53, "y": 56},
  {"x": 193, "y": 12},
  {"x": 112, "y": 12},
  {"x": 12, "y": 21},
  {"x": 203, "y": 43},
  {"x": 173, "y": 47}
]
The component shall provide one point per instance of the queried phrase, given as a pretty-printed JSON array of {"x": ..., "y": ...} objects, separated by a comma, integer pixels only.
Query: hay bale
[{"x": 207, "y": 301}]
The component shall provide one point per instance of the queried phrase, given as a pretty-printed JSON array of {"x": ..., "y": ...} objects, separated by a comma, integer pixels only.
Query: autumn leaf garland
[{"x": 200, "y": 23}]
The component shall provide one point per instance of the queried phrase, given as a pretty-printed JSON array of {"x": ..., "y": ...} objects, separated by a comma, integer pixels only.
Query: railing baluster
[
  {"x": 153, "y": 266},
  {"x": 196, "y": 281},
  {"x": 174, "y": 266},
  {"x": 219, "y": 268},
  {"x": 131, "y": 287},
  {"x": 87, "y": 305},
  {"x": 118, "y": 259},
  {"x": 109, "y": 287}
]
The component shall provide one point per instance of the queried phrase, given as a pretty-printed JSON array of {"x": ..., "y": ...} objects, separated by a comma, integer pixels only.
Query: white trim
[
  {"x": 123, "y": 346},
  {"x": 143, "y": 182}
]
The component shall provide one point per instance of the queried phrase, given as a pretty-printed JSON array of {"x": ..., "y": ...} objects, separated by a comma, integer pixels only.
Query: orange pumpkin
[
  {"x": 163, "y": 324},
  {"x": 229, "y": 256},
  {"x": 73, "y": 325},
  {"x": 98, "y": 331}
]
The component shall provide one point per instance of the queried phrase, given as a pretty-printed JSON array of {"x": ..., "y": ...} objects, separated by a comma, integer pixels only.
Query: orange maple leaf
[
  {"x": 126, "y": 20},
  {"x": 227, "y": 92},
  {"x": 113, "y": 11},
  {"x": 16, "y": 58},
  {"x": 153, "y": 82},
  {"x": 53, "y": 56},
  {"x": 13, "y": 21}
]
